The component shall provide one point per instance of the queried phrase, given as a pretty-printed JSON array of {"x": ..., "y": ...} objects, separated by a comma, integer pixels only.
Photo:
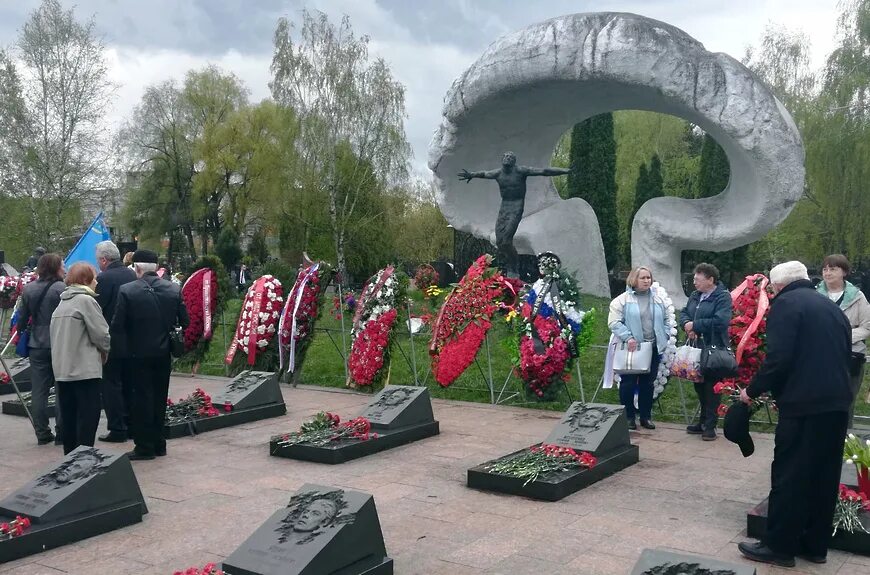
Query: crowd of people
[
  {"x": 813, "y": 367},
  {"x": 102, "y": 341}
]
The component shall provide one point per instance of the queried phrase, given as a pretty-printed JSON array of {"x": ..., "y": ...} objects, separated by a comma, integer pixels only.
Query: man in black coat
[
  {"x": 146, "y": 310},
  {"x": 809, "y": 341},
  {"x": 116, "y": 389}
]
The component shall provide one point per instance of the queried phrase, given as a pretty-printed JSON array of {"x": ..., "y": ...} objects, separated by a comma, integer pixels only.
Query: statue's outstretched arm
[
  {"x": 547, "y": 171},
  {"x": 487, "y": 175}
]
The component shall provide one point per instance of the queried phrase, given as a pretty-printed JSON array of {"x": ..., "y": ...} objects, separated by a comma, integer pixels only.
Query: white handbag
[{"x": 633, "y": 362}]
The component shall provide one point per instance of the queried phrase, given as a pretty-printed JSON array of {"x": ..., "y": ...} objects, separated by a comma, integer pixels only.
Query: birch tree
[{"x": 340, "y": 96}]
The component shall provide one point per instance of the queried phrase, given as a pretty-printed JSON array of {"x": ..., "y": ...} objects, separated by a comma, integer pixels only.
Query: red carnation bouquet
[
  {"x": 372, "y": 329},
  {"x": 751, "y": 304},
  {"x": 200, "y": 294},
  {"x": 425, "y": 277},
  {"x": 303, "y": 307},
  {"x": 208, "y": 569},
  {"x": 465, "y": 318},
  {"x": 258, "y": 321}
]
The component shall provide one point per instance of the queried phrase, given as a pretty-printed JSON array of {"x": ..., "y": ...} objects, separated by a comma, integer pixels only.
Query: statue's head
[
  {"x": 318, "y": 514},
  {"x": 509, "y": 159}
]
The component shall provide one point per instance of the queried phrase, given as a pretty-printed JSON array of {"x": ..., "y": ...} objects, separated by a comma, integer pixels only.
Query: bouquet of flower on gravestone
[
  {"x": 303, "y": 307},
  {"x": 747, "y": 333},
  {"x": 540, "y": 460},
  {"x": 14, "y": 528},
  {"x": 372, "y": 330},
  {"x": 466, "y": 317},
  {"x": 208, "y": 569},
  {"x": 195, "y": 406},
  {"x": 327, "y": 427},
  {"x": 850, "y": 505}
]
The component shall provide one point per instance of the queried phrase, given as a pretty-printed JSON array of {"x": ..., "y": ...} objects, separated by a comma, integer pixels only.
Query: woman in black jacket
[
  {"x": 706, "y": 318},
  {"x": 38, "y": 302}
]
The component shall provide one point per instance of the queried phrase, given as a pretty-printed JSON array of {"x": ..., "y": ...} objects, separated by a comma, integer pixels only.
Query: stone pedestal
[
  {"x": 90, "y": 492},
  {"x": 399, "y": 414},
  {"x": 20, "y": 368}
]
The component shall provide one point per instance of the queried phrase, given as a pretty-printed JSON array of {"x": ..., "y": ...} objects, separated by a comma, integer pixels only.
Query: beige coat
[{"x": 79, "y": 333}]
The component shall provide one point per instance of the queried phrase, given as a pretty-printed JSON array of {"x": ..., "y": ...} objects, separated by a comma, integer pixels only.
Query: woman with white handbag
[{"x": 640, "y": 321}]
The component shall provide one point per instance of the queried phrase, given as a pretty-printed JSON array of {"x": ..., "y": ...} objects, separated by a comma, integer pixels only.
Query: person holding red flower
[{"x": 809, "y": 342}]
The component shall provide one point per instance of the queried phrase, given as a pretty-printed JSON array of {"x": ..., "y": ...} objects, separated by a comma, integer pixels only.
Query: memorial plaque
[
  {"x": 87, "y": 480},
  {"x": 657, "y": 562},
  {"x": 594, "y": 427},
  {"x": 322, "y": 531},
  {"x": 20, "y": 368},
  {"x": 250, "y": 389},
  {"x": 399, "y": 406}
]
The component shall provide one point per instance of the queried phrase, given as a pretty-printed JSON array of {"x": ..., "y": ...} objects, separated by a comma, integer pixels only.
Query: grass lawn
[{"x": 324, "y": 367}]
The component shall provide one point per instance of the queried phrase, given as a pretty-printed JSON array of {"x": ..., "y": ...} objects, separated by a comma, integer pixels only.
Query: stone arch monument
[{"x": 531, "y": 86}]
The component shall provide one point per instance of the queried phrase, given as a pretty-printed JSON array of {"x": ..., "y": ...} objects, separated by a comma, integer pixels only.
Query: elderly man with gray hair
[
  {"x": 116, "y": 387},
  {"x": 809, "y": 342}
]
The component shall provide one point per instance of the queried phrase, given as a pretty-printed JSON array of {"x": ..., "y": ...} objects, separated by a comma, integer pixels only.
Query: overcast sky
[{"x": 428, "y": 43}]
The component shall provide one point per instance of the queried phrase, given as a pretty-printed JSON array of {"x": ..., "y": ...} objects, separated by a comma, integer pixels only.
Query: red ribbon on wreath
[{"x": 763, "y": 305}]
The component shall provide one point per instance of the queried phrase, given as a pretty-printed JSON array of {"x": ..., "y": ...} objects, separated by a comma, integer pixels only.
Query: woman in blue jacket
[
  {"x": 706, "y": 318},
  {"x": 640, "y": 315}
]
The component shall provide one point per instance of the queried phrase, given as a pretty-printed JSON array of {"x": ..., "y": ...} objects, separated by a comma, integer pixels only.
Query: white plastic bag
[{"x": 687, "y": 363}]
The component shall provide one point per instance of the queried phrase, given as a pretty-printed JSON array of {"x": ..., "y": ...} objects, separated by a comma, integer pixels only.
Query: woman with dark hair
[
  {"x": 80, "y": 346},
  {"x": 706, "y": 318},
  {"x": 854, "y": 304},
  {"x": 38, "y": 302}
]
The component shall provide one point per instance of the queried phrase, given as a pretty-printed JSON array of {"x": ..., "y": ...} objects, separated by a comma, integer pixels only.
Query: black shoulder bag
[
  {"x": 717, "y": 362},
  {"x": 176, "y": 337}
]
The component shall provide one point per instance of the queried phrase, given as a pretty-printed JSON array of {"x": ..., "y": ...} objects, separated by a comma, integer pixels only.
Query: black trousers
[
  {"x": 79, "y": 404},
  {"x": 804, "y": 481},
  {"x": 644, "y": 383},
  {"x": 148, "y": 410},
  {"x": 116, "y": 376},
  {"x": 41, "y": 380},
  {"x": 709, "y": 403}
]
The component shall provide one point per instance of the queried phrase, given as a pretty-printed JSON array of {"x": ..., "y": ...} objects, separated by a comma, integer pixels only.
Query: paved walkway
[{"x": 213, "y": 490}]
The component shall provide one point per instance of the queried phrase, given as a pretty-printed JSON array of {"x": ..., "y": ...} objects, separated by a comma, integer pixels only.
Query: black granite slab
[
  {"x": 322, "y": 531},
  {"x": 249, "y": 389},
  {"x": 224, "y": 419},
  {"x": 20, "y": 368},
  {"x": 90, "y": 491},
  {"x": 659, "y": 562},
  {"x": 594, "y": 427}
]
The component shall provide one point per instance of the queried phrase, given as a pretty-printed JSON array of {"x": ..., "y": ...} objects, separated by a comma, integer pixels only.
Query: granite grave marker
[
  {"x": 250, "y": 389},
  {"x": 658, "y": 562},
  {"x": 594, "y": 427},
  {"x": 398, "y": 406},
  {"x": 322, "y": 531}
]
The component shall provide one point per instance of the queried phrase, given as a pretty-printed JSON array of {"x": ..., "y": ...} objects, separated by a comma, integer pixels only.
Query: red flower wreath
[
  {"x": 258, "y": 320},
  {"x": 200, "y": 297},
  {"x": 303, "y": 305},
  {"x": 465, "y": 318}
]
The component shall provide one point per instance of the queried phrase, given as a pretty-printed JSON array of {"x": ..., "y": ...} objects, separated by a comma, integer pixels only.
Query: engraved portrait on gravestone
[
  {"x": 311, "y": 514},
  {"x": 81, "y": 465},
  {"x": 242, "y": 382},
  {"x": 685, "y": 569},
  {"x": 393, "y": 397},
  {"x": 591, "y": 417}
]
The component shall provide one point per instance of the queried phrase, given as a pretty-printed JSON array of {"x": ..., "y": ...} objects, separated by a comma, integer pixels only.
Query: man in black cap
[
  {"x": 33, "y": 260},
  {"x": 809, "y": 342},
  {"x": 146, "y": 310}
]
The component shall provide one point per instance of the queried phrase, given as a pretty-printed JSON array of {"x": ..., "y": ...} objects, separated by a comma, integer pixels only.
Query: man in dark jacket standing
[
  {"x": 706, "y": 318},
  {"x": 146, "y": 310},
  {"x": 809, "y": 341},
  {"x": 116, "y": 390},
  {"x": 38, "y": 302}
]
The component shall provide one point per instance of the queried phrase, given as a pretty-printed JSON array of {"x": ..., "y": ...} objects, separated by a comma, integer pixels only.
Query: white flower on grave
[
  {"x": 262, "y": 343},
  {"x": 855, "y": 457},
  {"x": 274, "y": 314},
  {"x": 264, "y": 316},
  {"x": 268, "y": 306},
  {"x": 850, "y": 462},
  {"x": 261, "y": 329},
  {"x": 271, "y": 329},
  {"x": 249, "y": 304},
  {"x": 245, "y": 341}
]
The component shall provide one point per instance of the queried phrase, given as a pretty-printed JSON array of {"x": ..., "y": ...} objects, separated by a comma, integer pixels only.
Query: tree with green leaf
[{"x": 341, "y": 97}]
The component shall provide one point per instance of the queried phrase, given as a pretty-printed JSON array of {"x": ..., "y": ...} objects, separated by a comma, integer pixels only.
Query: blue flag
[{"x": 85, "y": 248}]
